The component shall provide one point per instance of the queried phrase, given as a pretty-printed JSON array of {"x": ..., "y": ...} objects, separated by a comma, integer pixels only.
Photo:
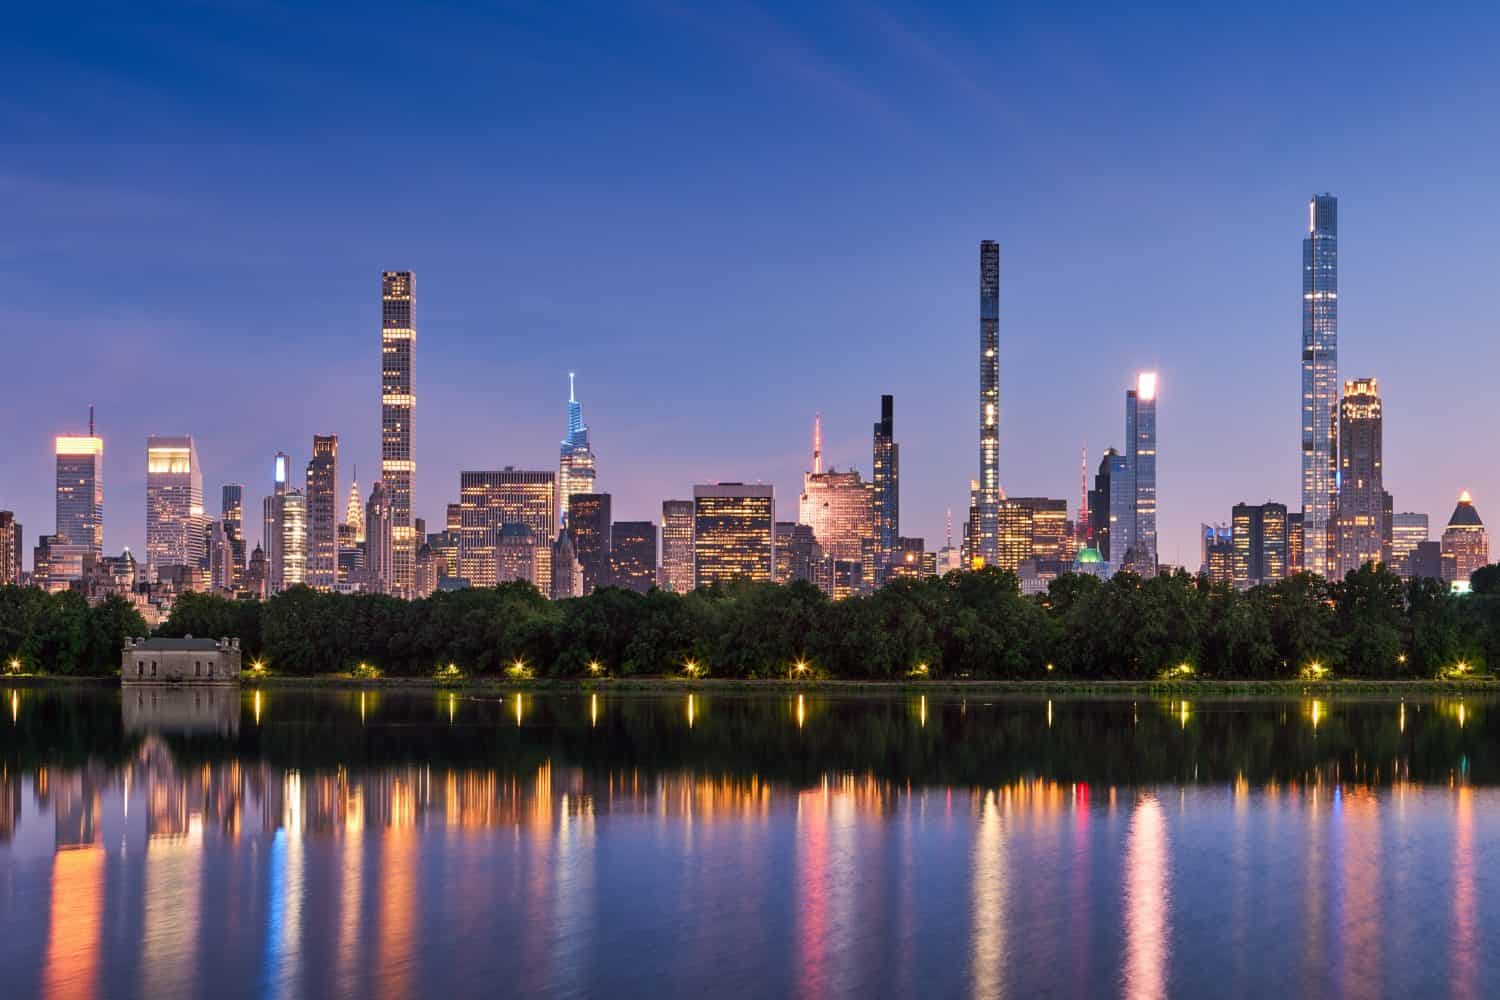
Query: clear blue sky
[{"x": 727, "y": 216}]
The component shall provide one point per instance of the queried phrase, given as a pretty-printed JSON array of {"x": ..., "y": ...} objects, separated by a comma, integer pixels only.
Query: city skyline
[{"x": 1088, "y": 270}]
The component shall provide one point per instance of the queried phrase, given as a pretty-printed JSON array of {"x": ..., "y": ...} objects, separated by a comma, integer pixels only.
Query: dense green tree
[{"x": 1371, "y": 620}]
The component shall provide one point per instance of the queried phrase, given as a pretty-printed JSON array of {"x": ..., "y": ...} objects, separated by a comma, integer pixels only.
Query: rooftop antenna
[
  {"x": 91, "y": 420},
  {"x": 817, "y": 444},
  {"x": 1083, "y": 495},
  {"x": 570, "y": 388}
]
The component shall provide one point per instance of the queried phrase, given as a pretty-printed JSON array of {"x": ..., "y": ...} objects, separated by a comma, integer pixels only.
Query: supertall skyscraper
[
  {"x": 271, "y": 534},
  {"x": 886, "y": 482},
  {"x": 1140, "y": 431},
  {"x": 322, "y": 513},
  {"x": 1360, "y": 532},
  {"x": 398, "y": 340},
  {"x": 575, "y": 463},
  {"x": 80, "y": 506},
  {"x": 985, "y": 543},
  {"x": 1320, "y": 380},
  {"x": 175, "y": 520}
]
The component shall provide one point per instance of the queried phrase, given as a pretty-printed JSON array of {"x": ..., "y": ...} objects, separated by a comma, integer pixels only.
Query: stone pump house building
[{"x": 180, "y": 661}]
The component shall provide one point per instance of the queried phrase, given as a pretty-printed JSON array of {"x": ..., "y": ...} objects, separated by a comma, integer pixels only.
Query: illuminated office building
[
  {"x": 984, "y": 544},
  {"x": 489, "y": 500},
  {"x": 908, "y": 560},
  {"x": 1408, "y": 530},
  {"x": 1051, "y": 532},
  {"x": 232, "y": 516},
  {"x": 885, "y": 482},
  {"x": 800, "y": 557},
  {"x": 1360, "y": 518},
  {"x": 222, "y": 577},
  {"x": 575, "y": 463},
  {"x": 10, "y": 549},
  {"x": 291, "y": 519},
  {"x": 1140, "y": 431},
  {"x": 80, "y": 508},
  {"x": 1320, "y": 381},
  {"x": 1465, "y": 544},
  {"x": 1217, "y": 553},
  {"x": 1260, "y": 544},
  {"x": 632, "y": 555},
  {"x": 1295, "y": 562},
  {"x": 322, "y": 513},
  {"x": 271, "y": 523},
  {"x": 839, "y": 507},
  {"x": 677, "y": 546},
  {"x": 733, "y": 533},
  {"x": 1013, "y": 526},
  {"x": 175, "y": 519},
  {"x": 398, "y": 339},
  {"x": 516, "y": 554},
  {"x": 588, "y": 522}
]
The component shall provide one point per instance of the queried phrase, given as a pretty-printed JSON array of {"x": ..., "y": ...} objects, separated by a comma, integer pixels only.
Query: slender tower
[
  {"x": 817, "y": 444},
  {"x": 398, "y": 340},
  {"x": 1320, "y": 380},
  {"x": 986, "y": 546},
  {"x": 576, "y": 465},
  {"x": 886, "y": 461},
  {"x": 1140, "y": 432},
  {"x": 1082, "y": 527}
]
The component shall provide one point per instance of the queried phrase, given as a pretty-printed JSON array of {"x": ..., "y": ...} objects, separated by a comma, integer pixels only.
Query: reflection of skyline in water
[{"x": 193, "y": 856}]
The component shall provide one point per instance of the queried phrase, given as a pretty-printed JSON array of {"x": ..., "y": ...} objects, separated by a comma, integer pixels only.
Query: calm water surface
[{"x": 397, "y": 845}]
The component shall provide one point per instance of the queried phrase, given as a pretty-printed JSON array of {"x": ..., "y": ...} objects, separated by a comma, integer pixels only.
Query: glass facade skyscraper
[
  {"x": 985, "y": 546},
  {"x": 575, "y": 463},
  {"x": 398, "y": 340},
  {"x": 80, "y": 508},
  {"x": 1140, "y": 431},
  {"x": 886, "y": 482},
  {"x": 1320, "y": 380},
  {"x": 322, "y": 513},
  {"x": 1360, "y": 525},
  {"x": 175, "y": 521}
]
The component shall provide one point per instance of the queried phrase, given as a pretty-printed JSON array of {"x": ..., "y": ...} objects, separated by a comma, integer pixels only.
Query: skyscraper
[
  {"x": 632, "y": 555},
  {"x": 322, "y": 513},
  {"x": 291, "y": 519},
  {"x": 10, "y": 549},
  {"x": 398, "y": 338},
  {"x": 677, "y": 546},
  {"x": 588, "y": 522},
  {"x": 1466, "y": 545},
  {"x": 1109, "y": 482},
  {"x": 1320, "y": 380},
  {"x": 840, "y": 508},
  {"x": 175, "y": 519},
  {"x": 1013, "y": 525},
  {"x": 232, "y": 516},
  {"x": 489, "y": 500},
  {"x": 380, "y": 544},
  {"x": 1408, "y": 530},
  {"x": 1259, "y": 533},
  {"x": 80, "y": 507},
  {"x": 985, "y": 544},
  {"x": 1360, "y": 525},
  {"x": 734, "y": 535},
  {"x": 1140, "y": 430},
  {"x": 575, "y": 463},
  {"x": 271, "y": 523},
  {"x": 886, "y": 482}
]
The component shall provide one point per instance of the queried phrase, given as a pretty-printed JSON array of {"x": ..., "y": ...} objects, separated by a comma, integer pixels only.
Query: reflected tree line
[
  {"x": 796, "y": 739},
  {"x": 966, "y": 624}
]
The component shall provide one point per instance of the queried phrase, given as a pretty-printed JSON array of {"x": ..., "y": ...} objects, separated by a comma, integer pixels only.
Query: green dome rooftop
[{"x": 1090, "y": 555}]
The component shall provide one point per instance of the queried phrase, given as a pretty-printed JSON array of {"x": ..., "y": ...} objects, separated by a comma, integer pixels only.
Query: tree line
[{"x": 963, "y": 625}]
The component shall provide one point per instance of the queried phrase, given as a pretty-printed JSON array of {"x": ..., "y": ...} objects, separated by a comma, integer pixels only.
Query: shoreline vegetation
[{"x": 967, "y": 631}]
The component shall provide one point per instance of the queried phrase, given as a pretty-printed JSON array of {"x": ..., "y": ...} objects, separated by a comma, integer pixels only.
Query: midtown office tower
[
  {"x": 985, "y": 544},
  {"x": 398, "y": 340},
  {"x": 1320, "y": 380}
]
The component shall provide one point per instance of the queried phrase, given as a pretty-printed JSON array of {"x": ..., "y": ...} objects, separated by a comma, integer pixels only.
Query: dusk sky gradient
[{"x": 727, "y": 216}]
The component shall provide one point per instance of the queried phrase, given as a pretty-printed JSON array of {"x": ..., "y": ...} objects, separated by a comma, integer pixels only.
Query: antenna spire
[
  {"x": 1083, "y": 496},
  {"x": 91, "y": 420},
  {"x": 570, "y": 388},
  {"x": 817, "y": 443}
]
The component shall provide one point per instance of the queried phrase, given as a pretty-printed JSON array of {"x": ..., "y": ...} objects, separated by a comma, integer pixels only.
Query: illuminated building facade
[
  {"x": 232, "y": 516},
  {"x": 175, "y": 519},
  {"x": 1140, "y": 431},
  {"x": 1217, "y": 557},
  {"x": 677, "y": 546},
  {"x": 398, "y": 338},
  {"x": 800, "y": 557},
  {"x": 1013, "y": 535},
  {"x": 1110, "y": 480},
  {"x": 588, "y": 522},
  {"x": 80, "y": 508},
  {"x": 885, "y": 481},
  {"x": 1408, "y": 530},
  {"x": 908, "y": 560},
  {"x": 271, "y": 523},
  {"x": 733, "y": 533},
  {"x": 1260, "y": 544},
  {"x": 985, "y": 528},
  {"x": 291, "y": 520},
  {"x": 221, "y": 561},
  {"x": 567, "y": 575},
  {"x": 489, "y": 500},
  {"x": 632, "y": 555},
  {"x": 839, "y": 507},
  {"x": 322, "y": 513},
  {"x": 1295, "y": 562},
  {"x": 1320, "y": 380},
  {"x": 516, "y": 554},
  {"x": 1051, "y": 532},
  {"x": 575, "y": 464},
  {"x": 10, "y": 549},
  {"x": 1466, "y": 545},
  {"x": 1360, "y": 522}
]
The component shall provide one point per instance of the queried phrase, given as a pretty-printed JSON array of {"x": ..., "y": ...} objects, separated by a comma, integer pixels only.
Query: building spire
[
  {"x": 91, "y": 420},
  {"x": 570, "y": 388},
  {"x": 817, "y": 443}
]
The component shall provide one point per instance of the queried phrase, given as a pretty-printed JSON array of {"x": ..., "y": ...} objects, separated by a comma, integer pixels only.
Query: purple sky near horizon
[{"x": 725, "y": 219}]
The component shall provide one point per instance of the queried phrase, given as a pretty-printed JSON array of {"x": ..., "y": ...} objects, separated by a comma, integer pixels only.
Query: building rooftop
[
  {"x": 1464, "y": 515},
  {"x": 185, "y": 643}
]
